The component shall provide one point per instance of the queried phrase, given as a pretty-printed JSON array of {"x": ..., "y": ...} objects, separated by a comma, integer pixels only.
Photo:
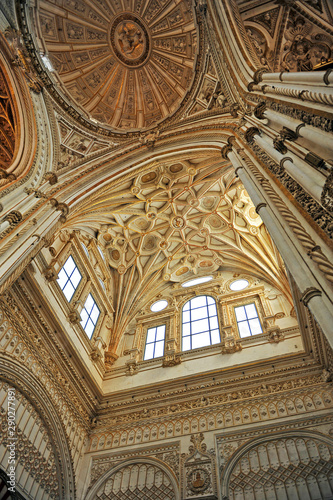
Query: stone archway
[
  {"x": 297, "y": 466},
  {"x": 135, "y": 479}
]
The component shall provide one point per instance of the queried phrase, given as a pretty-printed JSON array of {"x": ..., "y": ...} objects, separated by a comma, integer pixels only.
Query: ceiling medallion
[
  {"x": 178, "y": 222},
  {"x": 130, "y": 40}
]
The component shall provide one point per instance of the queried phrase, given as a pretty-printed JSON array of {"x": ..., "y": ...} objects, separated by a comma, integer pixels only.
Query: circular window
[
  {"x": 238, "y": 285},
  {"x": 159, "y": 305},
  {"x": 197, "y": 281}
]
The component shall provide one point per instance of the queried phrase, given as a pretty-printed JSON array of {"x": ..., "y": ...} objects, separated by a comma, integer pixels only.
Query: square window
[
  {"x": 69, "y": 278},
  {"x": 89, "y": 315},
  {"x": 154, "y": 342},
  {"x": 248, "y": 320}
]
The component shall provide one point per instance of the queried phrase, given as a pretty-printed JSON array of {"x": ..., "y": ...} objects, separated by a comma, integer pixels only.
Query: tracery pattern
[
  {"x": 295, "y": 468},
  {"x": 136, "y": 481}
]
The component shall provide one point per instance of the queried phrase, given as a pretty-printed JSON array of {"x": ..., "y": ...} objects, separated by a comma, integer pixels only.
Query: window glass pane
[
  {"x": 62, "y": 278},
  {"x": 160, "y": 332},
  {"x": 203, "y": 319},
  {"x": 89, "y": 328},
  {"x": 84, "y": 317},
  {"x": 251, "y": 311},
  {"x": 187, "y": 329},
  {"x": 186, "y": 317},
  {"x": 186, "y": 343},
  {"x": 151, "y": 335},
  {"x": 212, "y": 310},
  {"x": 75, "y": 278},
  {"x": 69, "y": 277},
  {"x": 159, "y": 348},
  {"x": 186, "y": 306},
  {"x": 200, "y": 326},
  {"x": 94, "y": 314},
  {"x": 200, "y": 340},
  {"x": 240, "y": 313},
  {"x": 213, "y": 322},
  {"x": 215, "y": 336},
  {"x": 149, "y": 352},
  {"x": 69, "y": 265},
  {"x": 244, "y": 329},
  {"x": 199, "y": 313},
  {"x": 89, "y": 303},
  {"x": 255, "y": 326},
  {"x": 69, "y": 291},
  {"x": 198, "y": 301},
  {"x": 155, "y": 342}
]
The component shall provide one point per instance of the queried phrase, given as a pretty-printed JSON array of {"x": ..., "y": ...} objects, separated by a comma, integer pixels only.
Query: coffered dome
[{"x": 127, "y": 64}]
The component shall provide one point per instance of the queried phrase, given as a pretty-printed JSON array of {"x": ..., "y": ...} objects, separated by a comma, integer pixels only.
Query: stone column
[
  {"x": 314, "y": 138},
  {"x": 296, "y": 259},
  {"x": 311, "y": 180}
]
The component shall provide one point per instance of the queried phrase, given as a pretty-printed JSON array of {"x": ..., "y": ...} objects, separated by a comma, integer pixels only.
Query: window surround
[{"x": 89, "y": 284}]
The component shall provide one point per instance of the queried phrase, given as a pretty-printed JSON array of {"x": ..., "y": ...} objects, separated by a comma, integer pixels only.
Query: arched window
[{"x": 200, "y": 323}]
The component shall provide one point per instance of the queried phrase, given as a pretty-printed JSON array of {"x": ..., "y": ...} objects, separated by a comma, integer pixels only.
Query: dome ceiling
[{"x": 128, "y": 63}]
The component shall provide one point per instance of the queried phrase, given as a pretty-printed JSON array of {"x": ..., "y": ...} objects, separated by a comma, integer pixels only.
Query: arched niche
[
  {"x": 44, "y": 466},
  {"x": 295, "y": 465},
  {"x": 18, "y": 135},
  {"x": 137, "y": 478}
]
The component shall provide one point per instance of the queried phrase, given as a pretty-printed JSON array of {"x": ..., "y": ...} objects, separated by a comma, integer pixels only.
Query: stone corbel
[
  {"x": 98, "y": 349},
  {"x": 273, "y": 331},
  {"x": 131, "y": 367},
  {"x": 171, "y": 358},
  {"x": 110, "y": 358},
  {"x": 230, "y": 344},
  {"x": 50, "y": 274},
  {"x": 74, "y": 317}
]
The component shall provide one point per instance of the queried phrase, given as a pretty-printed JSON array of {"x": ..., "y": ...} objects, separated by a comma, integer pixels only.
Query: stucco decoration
[
  {"x": 289, "y": 39},
  {"x": 173, "y": 221},
  {"x": 290, "y": 466},
  {"x": 126, "y": 67}
]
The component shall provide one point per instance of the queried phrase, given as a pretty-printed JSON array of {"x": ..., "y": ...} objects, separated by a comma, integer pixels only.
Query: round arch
[
  {"x": 136, "y": 462},
  {"x": 265, "y": 440},
  {"x": 24, "y": 381}
]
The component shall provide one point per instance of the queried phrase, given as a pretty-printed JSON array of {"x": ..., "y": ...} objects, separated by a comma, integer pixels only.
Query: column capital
[
  {"x": 309, "y": 293},
  {"x": 250, "y": 133},
  {"x": 260, "y": 109}
]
